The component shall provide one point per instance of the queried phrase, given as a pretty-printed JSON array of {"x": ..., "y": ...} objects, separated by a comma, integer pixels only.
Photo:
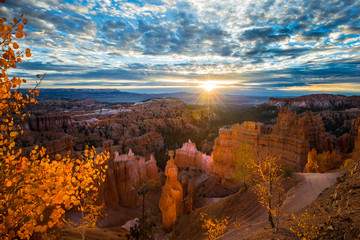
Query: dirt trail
[{"x": 308, "y": 188}]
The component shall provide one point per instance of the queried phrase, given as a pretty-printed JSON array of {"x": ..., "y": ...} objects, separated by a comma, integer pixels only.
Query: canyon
[
  {"x": 148, "y": 127},
  {"x": 291, "y": 138},
  {"x": 204, "y": 166}
]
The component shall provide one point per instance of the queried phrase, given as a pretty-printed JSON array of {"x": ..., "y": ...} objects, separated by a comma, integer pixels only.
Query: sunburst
[{"x": 209, "y": 86}]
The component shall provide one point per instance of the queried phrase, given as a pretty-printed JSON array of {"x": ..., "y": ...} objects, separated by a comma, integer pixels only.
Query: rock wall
[
  {"x": 189, "y": 157},
  {"x": 355, "y": 127},
  {"x": 48, "y": 123},
  {"x": 124, "y": 176},
  {"x": 355, "y": 132},
  {"x": 61, "y": 146},
  {"x": 144, "y": 143},
  {"x": 292, "y": 137},
  {"x": 228, "y": 145}
]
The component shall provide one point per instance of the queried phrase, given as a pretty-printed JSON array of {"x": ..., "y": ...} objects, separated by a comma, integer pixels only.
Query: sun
[{"x": 209, "y": 86}]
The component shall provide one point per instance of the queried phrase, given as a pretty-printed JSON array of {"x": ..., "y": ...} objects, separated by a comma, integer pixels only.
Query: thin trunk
[{"x": 269, "y": 199}]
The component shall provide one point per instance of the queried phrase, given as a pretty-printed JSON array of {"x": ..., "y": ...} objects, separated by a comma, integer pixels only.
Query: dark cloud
[
  {"x": 256, "y": 33},
  {"x": 314, "y": 35}
]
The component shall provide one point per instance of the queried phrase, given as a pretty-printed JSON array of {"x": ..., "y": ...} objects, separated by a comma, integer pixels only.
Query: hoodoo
[{"x": 171, "y": 196}]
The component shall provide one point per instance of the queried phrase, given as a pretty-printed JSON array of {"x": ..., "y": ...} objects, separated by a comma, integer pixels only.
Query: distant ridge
[
  {"x": 117, "y": 96},
  {"x": 315, "y": 101}
]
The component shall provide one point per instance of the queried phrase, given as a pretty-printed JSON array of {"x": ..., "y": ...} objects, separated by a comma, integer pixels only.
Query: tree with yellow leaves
[
  {"x": 243, "y": 171},
  {"x": 35, "y": 191},
  {"x": 304, "y": 228},
  {"x": 214, "y": 229},
  {"x": 269, "y": 173}
]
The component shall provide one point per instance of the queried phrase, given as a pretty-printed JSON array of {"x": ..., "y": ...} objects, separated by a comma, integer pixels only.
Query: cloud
[
  {"x": 329, "y": 87},
  {"x": 279, "y": 43}
]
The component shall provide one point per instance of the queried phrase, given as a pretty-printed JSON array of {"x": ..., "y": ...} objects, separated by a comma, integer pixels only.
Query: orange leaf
[
  {"x": 13, "y": 134},
  {"x": 25, "y": 21},
  {"x": 15, "y": 45},
  {"x": 19, "y": 35}
]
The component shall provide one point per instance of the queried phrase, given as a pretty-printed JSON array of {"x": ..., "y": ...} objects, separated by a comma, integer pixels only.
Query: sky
[{"x": 265, "y": 47}]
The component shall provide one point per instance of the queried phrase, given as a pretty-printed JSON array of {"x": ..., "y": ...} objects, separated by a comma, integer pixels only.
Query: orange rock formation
[
  {"x": 124, "y": 174},
  {"x": 48, "y": 123},
  {"x": 322, "y": 162},
  {"x": 171, "y": 196},
  {"x": 189, "y": 157},
  {"x": 291, "y": 138}
]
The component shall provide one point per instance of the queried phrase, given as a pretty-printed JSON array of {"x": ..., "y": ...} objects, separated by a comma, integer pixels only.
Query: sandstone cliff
[
  {"x": 125, "y": 174},
  {"x": 292, "y": 137},
  {"x": 48, "y": 123},
  {"x": 356, "y": 135},
  {"x": 189, "y": 157}
]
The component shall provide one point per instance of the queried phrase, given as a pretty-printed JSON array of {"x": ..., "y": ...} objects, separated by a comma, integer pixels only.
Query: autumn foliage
[
  {"x": 304, "y": 228},
  {"x": 270, "y": 176},
  {"x": 214, "y": 228},
  {"x": 35, "y": 191},
  {"x": 322, "y": 162}
]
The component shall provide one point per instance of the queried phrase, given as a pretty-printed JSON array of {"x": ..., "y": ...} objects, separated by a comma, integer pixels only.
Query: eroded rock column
[{"x": 171, "y": 196}]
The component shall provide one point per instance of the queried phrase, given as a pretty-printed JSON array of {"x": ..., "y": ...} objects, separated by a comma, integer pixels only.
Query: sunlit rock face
[
  {"x": 124, "y": 176},
  {"x": 322, "y": 162},
  {"x": 171, "y": 196},
  {"x": 291, "y": 138},
  {"x": 227, "y": 146},
  {"x": 189, "y": 157}
]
